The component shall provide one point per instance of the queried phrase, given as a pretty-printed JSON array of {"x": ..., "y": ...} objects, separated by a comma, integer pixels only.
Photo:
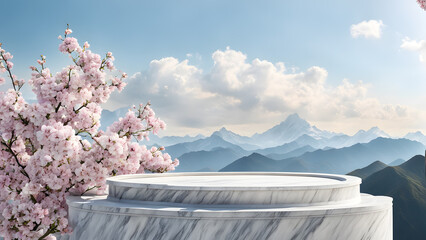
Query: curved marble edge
[
  {"x": 234, "y": 197},
  {"x": 123, "y": 181},
  {"x": 100, "y": 204},
  {"x": 261, "y": 205}
]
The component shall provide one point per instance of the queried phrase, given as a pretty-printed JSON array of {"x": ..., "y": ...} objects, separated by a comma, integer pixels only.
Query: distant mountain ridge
[
  {"x": 282, "y": 149},
  {"x": 294, "y": 153},
  {"x": 213, "y": 160},
  {"x": 205, "y": 144},
  {"x": 396, "y": 162},
  {"x": 361, "y": 136},
  {"x": 340, "y": 161},
  {"x": 369, "y": 170},
  {"x": 289, "y": 130},
  {"x": 172, "y": 140},
  {"x": 243, "y": 141},
  {"x": 293, "y": 129},
  {"x": 416, "y": 136}
]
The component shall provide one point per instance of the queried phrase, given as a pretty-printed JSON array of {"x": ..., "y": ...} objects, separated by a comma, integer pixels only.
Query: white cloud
[
  {"x": 238, "y": 92},
  {"x": 367, "y": 29},
  {"x": 416, "y": 46}
]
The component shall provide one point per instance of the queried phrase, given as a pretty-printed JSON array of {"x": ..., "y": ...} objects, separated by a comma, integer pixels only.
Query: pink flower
[
  {"x": 422, "y": 4},
  {"x": 69, "y": 45},
  {"x": 68, "y": 31},
  {"x": 49, "y": 140},
  {"x": 86, "y": 45},
  {"x": 7, "y": 56},
  {"x": 110, "y": 65},
  {"x": 9, "y": 64}
]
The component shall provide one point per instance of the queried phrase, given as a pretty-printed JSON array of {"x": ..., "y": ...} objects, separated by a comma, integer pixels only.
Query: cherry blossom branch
[
  {"x": 93, "y": 138},
  {"x": 82, "y": 106},
  {"x": 8, "y": 70},
  {"x": 52, "y": 229},
  {"x": 9, "y": 149},
  {"x": 58, "y": 148}
]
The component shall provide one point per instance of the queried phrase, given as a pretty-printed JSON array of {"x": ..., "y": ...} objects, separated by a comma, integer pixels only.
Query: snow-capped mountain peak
[
  {"x": 363, "y": 136},
  {"x": 289, "y": 130},
  {"x": 294, "y": 121},
  {"x": 243, "y": 141},
  {"x": 224, "y": 132},
  {"x": 416, "y": 136}
]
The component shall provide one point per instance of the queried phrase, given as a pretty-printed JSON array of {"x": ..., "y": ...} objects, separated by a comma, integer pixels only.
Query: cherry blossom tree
[
  {"x": 422, "y": 4},
  {"x": 53, "y": 147}
]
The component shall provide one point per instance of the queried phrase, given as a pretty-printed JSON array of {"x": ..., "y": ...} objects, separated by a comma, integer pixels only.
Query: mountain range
[
  {"x": 292, "y": 129},
  {"x": 294, "y": 144},
  {"x": 416, "y": 136},
  {"x": 296, "y": 129},
  {"x": 406, "y": 184},
  {"x": 205, "y": 144},
  {"x": 204, "y": 153},
  {"x": 212, "y": 160},
  {"x": 242, "y": 141},
  {"x": 293, "y": 153},
  {"x": 339, "y": 161}
]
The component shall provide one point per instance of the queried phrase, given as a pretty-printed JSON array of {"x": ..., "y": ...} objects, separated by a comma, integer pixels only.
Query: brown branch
[
  {"x": 82, "y": 106},
  {"x": 9, "y": 148},
  {"x": 91, "y": 136},
  {"x": 8, "y": 70},
  {"x": 52, "y": 229},
  {"x": 57, "y": 108}
]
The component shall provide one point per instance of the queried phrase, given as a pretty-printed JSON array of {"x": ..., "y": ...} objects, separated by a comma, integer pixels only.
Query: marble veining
[
  {"x": 240, "y": 188},
  {"x": 247, "y": 180},
  {"x": 311, "y": 213}
]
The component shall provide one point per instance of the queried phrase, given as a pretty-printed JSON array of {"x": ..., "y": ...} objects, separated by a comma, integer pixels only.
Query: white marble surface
[
  {"x": 246, "y": 180},
  {"x": 98, "y": 218},
  {"x": 235, "y": 181},
  {"x": 235, "y": 188},
  {"x": 358, "y": 216}
]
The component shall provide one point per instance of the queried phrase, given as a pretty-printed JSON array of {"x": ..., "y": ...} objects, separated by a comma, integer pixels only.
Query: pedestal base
[{"x": 357, "y": 216}]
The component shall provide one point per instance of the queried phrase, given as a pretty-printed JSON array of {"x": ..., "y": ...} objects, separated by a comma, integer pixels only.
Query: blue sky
[{"x": 300, "y": 34}]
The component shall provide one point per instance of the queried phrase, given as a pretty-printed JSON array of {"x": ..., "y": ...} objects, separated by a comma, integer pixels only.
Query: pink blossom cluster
[
  {"x": 422, "y": 4},
  {"x": 53, "y": 147}
]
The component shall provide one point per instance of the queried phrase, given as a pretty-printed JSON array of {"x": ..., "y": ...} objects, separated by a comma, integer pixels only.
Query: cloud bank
[
  {"x": 416, "y": 46},
  {"x": 367, "y": 29},
  {"x": 239, "y": 92}
]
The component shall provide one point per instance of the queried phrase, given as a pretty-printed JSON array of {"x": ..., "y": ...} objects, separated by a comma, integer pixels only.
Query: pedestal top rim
[{"x": 224, "y": 181}]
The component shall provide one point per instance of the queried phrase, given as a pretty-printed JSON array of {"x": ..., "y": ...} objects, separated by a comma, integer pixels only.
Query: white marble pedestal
[{"x": 231, "y": 206}]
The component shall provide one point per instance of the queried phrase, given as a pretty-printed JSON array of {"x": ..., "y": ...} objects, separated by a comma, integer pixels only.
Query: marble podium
[{"x": 244, "y": 205}]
